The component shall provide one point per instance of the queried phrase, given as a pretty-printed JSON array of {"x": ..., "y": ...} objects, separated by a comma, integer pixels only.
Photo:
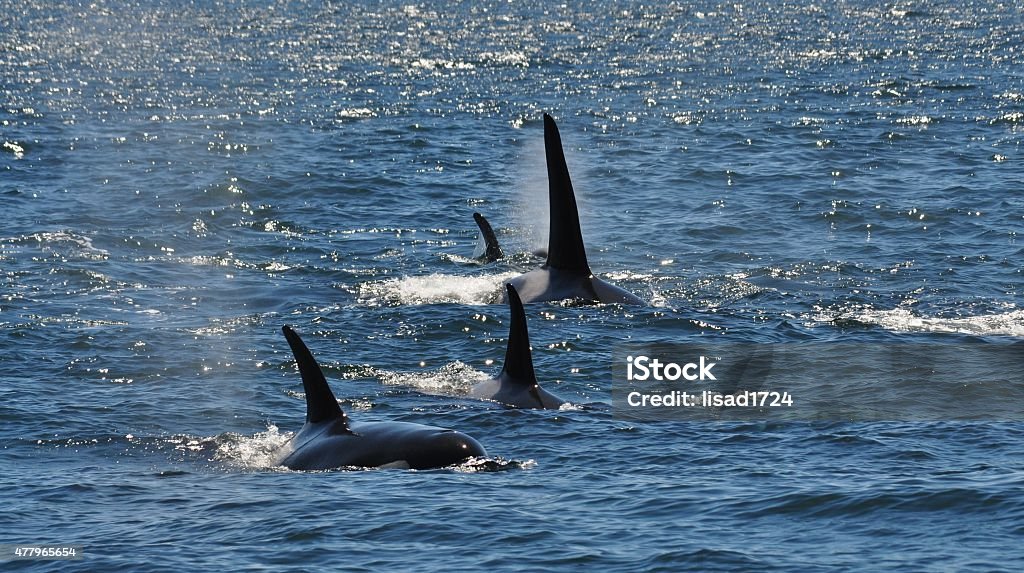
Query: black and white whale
[
  {"x": 566, "y": 273},
  {"x": 516, "y": 385},
  {"x": 492, "y": 251},
  {"x": 328, "y": 440}
]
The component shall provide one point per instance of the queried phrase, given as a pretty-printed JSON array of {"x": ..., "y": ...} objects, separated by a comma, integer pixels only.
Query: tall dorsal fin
[
  {"x": 565, "y": 240},
  {"x": 492, "y": 251},
  {"x": 321, "y": 406},
  {"x": 518, "y": 358}
]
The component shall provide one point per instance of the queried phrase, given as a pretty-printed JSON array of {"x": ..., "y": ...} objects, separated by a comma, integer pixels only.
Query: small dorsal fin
[
  {"x": 518, "y": 358},
  {"x": 492, "y": 252},
  {"x": 321, "y": 406},
  {"x": 565, "y": 240}
]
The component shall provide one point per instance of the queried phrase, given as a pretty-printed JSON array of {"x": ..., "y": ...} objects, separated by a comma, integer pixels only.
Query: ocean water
[{"x": 178, "y": 180}]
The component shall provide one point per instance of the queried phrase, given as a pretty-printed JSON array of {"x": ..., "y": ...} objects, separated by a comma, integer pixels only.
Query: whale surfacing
[
  {"x": 566, "y": 273},
  {"x": 516, "y": 386},
  {"x": 329, "y": 440},
  {"x": 492, "y": 251}
]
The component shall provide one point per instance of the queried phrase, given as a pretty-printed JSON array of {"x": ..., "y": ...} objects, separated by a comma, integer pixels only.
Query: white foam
[
  {"x": 252, "y": 452},
  {"x": 475, "y": 465},
  {"x": 13, "y": 147},
  {"x": 356, "y": 113},
  {"x": 83, "y": 243},
  {"x": 452, "y": 379},
  {"x": 628, "y": 276},
  {"x": 903, "y": 320},
  {"x": 461, "y": 260},
  {"x": 434, "y": 288}
]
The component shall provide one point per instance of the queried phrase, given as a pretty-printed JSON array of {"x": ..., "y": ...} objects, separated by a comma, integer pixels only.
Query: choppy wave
[{"x": 64, "y": 242}]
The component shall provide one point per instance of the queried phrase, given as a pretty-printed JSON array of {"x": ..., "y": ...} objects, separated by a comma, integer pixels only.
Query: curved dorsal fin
[
  {"x": 492, "y": 251},
  {"x": 565, "y": 240},
  {"x": 321, "y": 406},
  {"x": 518, "y": 358}
]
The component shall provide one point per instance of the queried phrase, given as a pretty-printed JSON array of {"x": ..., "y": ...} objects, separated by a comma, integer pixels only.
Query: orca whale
[
  {"x": 516, "y": 385},
  {"x": 492, "y": 251},
  {"x": 328, "y": 440},
  {"x": 566, "y": 273}
]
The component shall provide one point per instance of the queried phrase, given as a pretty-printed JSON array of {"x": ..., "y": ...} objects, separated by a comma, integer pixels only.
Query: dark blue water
[{"x": 178, "y": 180}]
